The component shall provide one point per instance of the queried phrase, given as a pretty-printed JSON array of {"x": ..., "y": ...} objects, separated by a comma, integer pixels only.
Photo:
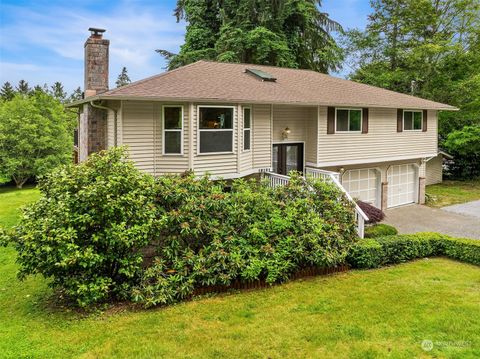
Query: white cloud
[{"x": 56, "y": 39}]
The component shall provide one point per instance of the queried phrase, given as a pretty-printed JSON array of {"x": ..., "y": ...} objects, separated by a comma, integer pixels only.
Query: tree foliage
[
  {"x": 287, "y": 33},
  {"x": 7, "y": 91},
  {"x": 35, "y": 136},
  {"x": 428, "y": 48},
  {"x": 123, "y": 78},
  {"x": 464, "y": 146}
]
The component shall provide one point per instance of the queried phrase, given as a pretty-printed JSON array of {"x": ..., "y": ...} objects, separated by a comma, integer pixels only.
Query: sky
[{"x": 42, "y": 41}]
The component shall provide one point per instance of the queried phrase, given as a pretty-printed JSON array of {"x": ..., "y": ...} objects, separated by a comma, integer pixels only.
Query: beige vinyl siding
[
  {"x": 215, "y": 164},
  {"x": 110, "y": 128},
  {"x": 382, "y": 142},
  {"x": 311, "y": 144},
  {"x": 262, "y": 136},
  {"x": 434, "y": 170},
  {"x": 138, "y": 133}
]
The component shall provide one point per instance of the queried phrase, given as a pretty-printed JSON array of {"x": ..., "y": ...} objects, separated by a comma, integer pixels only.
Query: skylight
[{"x": 264, "y": 76}]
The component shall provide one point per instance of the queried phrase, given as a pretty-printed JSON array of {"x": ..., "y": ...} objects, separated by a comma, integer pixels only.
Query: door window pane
[
  {"x": 275, "y": 159},
  {"x": 246, "y": 140},
  {"x": 292, "y": 158}
]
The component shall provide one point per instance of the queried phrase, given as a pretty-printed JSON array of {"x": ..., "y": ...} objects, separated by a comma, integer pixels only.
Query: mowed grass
[
  {"x": 453, "y": 192},
  {"x": 11, "y": 199},
  {"x": 358, "y": 314}
]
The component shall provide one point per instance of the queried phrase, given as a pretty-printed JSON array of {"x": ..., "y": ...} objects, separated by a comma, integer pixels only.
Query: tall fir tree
[
  {"x": 284, "y": 33},
  {"x": 123, "y": 78},
  {"x": 7, "y": 91},
  {"x": 77, "y": 94},
  {"x": 58, "y": 92},
  {"x": 23, "y": 87}
]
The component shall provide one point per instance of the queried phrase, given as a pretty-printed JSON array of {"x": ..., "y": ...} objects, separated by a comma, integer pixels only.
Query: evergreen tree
[
  {"x": 123, "y": 78},
  {"x": 23, "y": 88},
  {"x": 77, "y": 94},
  {"x": 281, "y": 32},
  {"x": 58, "y": 92},
  {"x": 428, "y": 48},
  {"x": 7, "y": 91}
]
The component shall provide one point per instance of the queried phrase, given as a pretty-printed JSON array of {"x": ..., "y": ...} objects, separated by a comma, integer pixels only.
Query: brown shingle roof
[{"x": 216, "y": 81}]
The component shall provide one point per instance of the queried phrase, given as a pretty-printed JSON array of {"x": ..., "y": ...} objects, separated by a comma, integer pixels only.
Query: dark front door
[{"x": 287, "y": 157}]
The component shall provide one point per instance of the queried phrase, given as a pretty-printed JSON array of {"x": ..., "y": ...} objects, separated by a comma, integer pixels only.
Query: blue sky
[{"x": 42, "y": 41}]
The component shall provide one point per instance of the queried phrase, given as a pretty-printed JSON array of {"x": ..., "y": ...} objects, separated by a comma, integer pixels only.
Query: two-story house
[{"x": 234, "y": 120}]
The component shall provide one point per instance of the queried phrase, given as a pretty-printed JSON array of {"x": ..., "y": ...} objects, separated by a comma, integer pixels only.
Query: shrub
[
  {"x": 86, "y": 230},
  {"x": 380, "y": 230},
  {"x": 374, "y": 214},
  {"x": 464, "y": 146},
  {"x": 367, "y": 253},
  {"x": 375, "y": 252},
  {"x": 211, "y": 238}
]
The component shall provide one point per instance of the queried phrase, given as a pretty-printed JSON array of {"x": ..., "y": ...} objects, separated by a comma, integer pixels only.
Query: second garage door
[
  {"x": 363, "y": 184},
  {"x": 402, "y": 184}
]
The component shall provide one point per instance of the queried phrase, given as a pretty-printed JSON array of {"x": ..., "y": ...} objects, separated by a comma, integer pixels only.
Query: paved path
[
  {"x": 417, "y": 218},
  {"x": 468, "y": 209}
]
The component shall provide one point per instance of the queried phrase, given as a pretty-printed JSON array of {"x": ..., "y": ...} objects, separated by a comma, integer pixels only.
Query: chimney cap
[{"x": 96, "y": 31}]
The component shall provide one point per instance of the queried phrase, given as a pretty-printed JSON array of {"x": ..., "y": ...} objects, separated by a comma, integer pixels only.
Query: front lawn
[
  {"x": 452, "y": 192},
  {"x": 364, "y": 314}
]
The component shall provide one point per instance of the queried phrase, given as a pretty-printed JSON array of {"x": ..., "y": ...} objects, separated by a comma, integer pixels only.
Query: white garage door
[
  {"x": 362, "y": 184},
  {"x": 402, "y": 184}
]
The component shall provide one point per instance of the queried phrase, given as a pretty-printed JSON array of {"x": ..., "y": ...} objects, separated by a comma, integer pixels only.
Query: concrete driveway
[{"x": 417, "y": 218}]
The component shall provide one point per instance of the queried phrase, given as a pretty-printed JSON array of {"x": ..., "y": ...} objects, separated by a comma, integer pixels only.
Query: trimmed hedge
[
  {"x": 380, "y": 230},
  {"x": 377, "y": 252}
]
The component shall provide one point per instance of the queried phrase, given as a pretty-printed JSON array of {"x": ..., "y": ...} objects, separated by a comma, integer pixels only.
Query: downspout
[{"x": 114, "y": 119}]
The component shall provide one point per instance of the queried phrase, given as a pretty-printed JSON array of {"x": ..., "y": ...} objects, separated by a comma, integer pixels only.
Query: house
[{"x": 234, "y": 120}]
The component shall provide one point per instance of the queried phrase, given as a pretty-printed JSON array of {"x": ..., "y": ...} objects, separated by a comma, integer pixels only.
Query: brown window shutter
[
  {"x": 425, "y": 120},
  {"x": 399, "y": 120},
  {"x": 365, "y": 120},
  {"x": 331, "y": 120}
]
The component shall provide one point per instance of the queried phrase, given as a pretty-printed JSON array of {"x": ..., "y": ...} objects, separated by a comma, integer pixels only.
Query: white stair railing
[{"x": 276, "y": 179}]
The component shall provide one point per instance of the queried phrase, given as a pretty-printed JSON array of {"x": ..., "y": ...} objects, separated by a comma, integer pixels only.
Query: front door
[{"x": 287, "y": 157}]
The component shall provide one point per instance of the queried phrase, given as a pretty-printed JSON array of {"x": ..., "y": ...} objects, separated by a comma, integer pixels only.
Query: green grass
[
  {"x": 11, "y": 200},
  {"x": 358, "y": 314},
  {"x": 452, "y": 192}
]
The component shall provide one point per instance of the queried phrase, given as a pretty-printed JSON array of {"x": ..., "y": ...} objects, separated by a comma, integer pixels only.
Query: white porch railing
[{"x": 281, "y": 180}]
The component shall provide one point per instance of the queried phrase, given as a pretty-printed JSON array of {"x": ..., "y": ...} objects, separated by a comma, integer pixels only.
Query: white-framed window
[
  {"x": 412, "y": 120},
  {"x": 247, "y": 128},
  {"x": 215, "y": 128},
  {"x": 348, "y": 120},
  {"x": 172, "y": 135}
]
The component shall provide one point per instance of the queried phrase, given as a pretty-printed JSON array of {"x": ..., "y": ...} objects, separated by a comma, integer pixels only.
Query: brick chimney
[
  {"x": 92, "y": 127},
  {"x": 96, "y": 63}
]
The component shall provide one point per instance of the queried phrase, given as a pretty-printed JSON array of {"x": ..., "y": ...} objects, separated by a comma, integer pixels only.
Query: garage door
[
  {"x": 402, "y": 185},
  {"x": 362, "y": 184}
]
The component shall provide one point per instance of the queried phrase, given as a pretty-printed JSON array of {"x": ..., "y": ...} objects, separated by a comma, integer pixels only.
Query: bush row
[
  {"x": 103, "y": 231},
  {"x": 377, "y": 252}
]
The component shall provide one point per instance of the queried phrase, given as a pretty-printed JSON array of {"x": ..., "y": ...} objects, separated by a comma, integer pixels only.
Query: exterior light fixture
[{"x": 285, "y": 133}]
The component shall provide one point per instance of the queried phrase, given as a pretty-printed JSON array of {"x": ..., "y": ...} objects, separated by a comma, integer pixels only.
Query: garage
[
  {"x": 402, "y": 184},
  {"x": 363, "y": 184}
]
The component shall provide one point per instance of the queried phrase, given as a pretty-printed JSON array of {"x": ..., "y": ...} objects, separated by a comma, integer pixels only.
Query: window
[
  {"x": 172, "y": 130},
  {"x": 412, "y": 120},
  {"x": 216, "y": 129},
  {"x": 348, "y": 120},
  {"x": 247, "y": 128}
]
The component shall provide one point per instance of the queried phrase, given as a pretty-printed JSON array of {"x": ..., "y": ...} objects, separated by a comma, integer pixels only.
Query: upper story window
[
  {"x": 412, "y": 120},
  {"x": 348, "y": 120},
  {"x": 247, "y": 129},
  {"x": 215, "y": 129},
  {"x": 172, "y": 130}
]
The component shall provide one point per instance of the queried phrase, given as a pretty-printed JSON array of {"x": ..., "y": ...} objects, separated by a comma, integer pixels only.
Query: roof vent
[{"x": 262, "y": 75}]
